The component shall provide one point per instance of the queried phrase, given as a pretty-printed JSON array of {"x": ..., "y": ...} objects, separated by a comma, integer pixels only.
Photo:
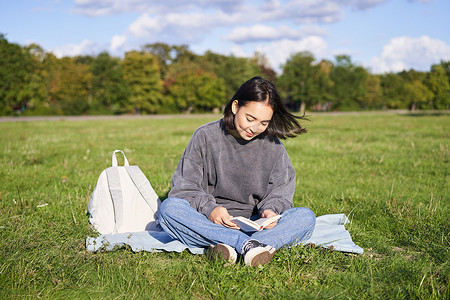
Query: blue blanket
[{"x": 329, "y": 232}]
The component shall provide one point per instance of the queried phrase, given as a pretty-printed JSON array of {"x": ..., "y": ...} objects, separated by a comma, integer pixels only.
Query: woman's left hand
[{"x": 267, "y": 214}]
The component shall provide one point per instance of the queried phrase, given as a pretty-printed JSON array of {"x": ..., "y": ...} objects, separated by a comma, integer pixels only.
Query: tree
[
  {"x": 303, "y": 82},
  {"x": 110, "y": 91},
  {"x": 373, "y": 95},
  {"x": 143, "y": 78},
  {"x": 438, "y": 82},
  {"x": 44, "y": 69},
  {"x": 393, "y": 89},
  {"x": 446, "y": 66},
  {"x": 197, "y": 91},
  {"x": 233, "y": 70},
  {"x": 349, "y": 82},
  {"x": 263, "y": 63},
  {"x": 15, "y": 74},
  {"x": 417, "y": 95},
  {"x": 414, "y": 93},
  {"x": 70, "y": 90}
]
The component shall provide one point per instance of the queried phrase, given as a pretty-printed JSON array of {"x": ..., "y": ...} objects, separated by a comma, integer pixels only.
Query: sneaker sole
[
  {"x": 222, "y": 251},
  {"x": 259, "y": 256}
]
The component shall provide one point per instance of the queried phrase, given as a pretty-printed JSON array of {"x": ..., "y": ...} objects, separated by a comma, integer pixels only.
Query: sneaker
[
  {"x": 222, "y": 251},
  {"x": 256, "y": 253}
]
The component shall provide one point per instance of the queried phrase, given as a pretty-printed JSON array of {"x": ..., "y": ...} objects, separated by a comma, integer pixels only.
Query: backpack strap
[
  {"x": 112, "y": 175},
  {"x": 114, "y": 158},
  {"x": 144, "y": 187}
]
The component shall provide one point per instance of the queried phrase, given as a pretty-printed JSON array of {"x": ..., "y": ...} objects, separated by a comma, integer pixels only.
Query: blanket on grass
[{"x": 329, "y": 232}]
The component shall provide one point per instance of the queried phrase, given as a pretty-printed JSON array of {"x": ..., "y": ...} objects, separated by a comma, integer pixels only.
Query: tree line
[{"x": 161, "y": 78}]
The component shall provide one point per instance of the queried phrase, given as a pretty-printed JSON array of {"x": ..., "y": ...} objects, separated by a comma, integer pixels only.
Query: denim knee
[
  {"x": 170, "y": 205},
  {"x": 308, "y": 213},
  {"x": 305, "y": 214}
]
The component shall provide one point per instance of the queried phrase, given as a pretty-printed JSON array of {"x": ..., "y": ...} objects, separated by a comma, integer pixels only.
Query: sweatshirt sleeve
[
  {"x": 281, "y": 188},
  {"x": 189, "y": 181}
]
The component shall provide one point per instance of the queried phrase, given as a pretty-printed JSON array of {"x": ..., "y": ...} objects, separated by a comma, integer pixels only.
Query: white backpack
[{"x": 123, "y": 200}]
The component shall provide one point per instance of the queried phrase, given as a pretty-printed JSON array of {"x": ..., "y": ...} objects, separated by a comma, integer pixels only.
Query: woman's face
[{"x": 251, "y": 119}]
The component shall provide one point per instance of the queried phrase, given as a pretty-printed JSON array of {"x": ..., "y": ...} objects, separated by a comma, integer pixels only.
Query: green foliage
[
  {"x": 387, "y": 172},
  {"x": 373, "y": 96},
  {"x": 70, "y": 88},
  {"x": 110, "y": 91},
  {"x": 142, "y": 76},
  {"x": 439, "y": 84},
  {"x": 167, "y": 55},
  {"x": 44, "y": 69},
  {"x": 393, "y": 91},
  {"x": 197, "y": 91},
  {"x": 35, "y": 82},
  {"x": 15, "y": 73},
  {"x": 263, "y": 63},
  {"x": 233, "y": 70},
  {"x": 302, "y": 81},
  {"x": 348, "y": 84}
]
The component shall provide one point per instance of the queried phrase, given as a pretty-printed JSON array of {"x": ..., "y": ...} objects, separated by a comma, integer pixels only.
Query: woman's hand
[
  {"x": 220, "y": 216},
  {"x": 267, "y": 214}
]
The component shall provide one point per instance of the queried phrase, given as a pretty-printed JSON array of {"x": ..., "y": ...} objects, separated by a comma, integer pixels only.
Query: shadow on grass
[{"x": 427, "y": 114}]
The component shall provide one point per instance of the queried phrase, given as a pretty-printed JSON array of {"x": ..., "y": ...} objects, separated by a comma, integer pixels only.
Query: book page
[
  {"x": 245, "y": 224},
  {"x": 266, "y": 221},
  {"x": 249, "y": 225}
]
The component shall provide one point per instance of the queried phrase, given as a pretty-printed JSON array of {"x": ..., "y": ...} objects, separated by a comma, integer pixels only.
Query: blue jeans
[{"x": 183, "y": 222}]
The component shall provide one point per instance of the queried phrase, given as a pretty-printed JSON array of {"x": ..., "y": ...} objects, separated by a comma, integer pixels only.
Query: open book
[{"x": 257, "y": 225}]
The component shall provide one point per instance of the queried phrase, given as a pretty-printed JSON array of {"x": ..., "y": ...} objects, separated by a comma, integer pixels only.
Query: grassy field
[{"x": 389, "y": 173}]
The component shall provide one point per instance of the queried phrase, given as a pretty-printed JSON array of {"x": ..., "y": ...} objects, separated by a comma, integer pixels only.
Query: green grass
[{"x": 389, "y": 173}]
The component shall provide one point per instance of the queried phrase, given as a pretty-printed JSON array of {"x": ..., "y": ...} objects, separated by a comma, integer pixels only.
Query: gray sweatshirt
[{"x": 245, "y": 177}]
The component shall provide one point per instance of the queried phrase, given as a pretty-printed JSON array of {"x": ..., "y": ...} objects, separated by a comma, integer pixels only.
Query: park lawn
[{"x": 389, "y": 173}]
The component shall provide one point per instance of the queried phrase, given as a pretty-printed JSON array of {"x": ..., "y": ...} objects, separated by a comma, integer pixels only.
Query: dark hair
[{"x": 283, "y": 124}]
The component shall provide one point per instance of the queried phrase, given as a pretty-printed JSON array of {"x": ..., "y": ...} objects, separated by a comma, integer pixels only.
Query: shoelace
[{"x": 252, "y": 244}]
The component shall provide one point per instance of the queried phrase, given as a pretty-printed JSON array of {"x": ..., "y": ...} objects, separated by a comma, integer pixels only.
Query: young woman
[{"x": 237, "y": 166}]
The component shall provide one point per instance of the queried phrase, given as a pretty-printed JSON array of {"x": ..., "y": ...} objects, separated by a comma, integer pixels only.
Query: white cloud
[
  {"x": 190, "y": 21},
  {"x": 236, "y": 50},
  {"x": 404, "y": 53},
  {"x": 145, "y": 26},
  {"x": 86, "y": 47},
  {"x": 117, "y": 42},
  {"x": 278, "y": 52},
  {"x": 260, "y": 32},
  {"x": 193, "y": 26},
  {"x": 178, "y": 27},
  {"x": 300, "y": 11}
]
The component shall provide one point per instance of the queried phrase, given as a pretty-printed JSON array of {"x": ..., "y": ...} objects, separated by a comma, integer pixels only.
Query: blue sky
[{"x": 382, "y": 35}]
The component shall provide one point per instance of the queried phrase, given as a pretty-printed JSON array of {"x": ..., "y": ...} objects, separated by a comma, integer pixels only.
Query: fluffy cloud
[
  {"x": 187, "y": 21},
  {"x": 300, "y": 11},
  {"x": 260, "y": 32},
  {"x": 278, "y": 52},
  {"x": 117, "y": 42},
  {"x": 403, "y": 53},
  {"x": 190, "y": 21},
  {"x": 86, "y": 47},
  {"x": 190, "y": 26},
  {"x": 179, "y": 27}
]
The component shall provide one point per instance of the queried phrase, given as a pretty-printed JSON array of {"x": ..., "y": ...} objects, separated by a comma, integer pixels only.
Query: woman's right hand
[{"x": 221, "y": 216}]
